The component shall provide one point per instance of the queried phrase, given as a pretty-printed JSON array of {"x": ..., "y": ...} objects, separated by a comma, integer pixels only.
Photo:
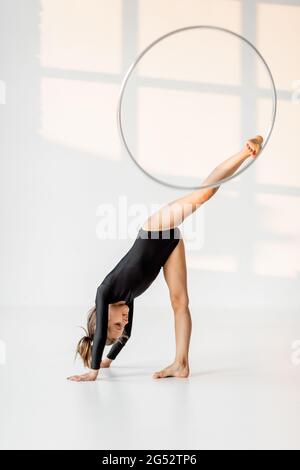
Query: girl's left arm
[{"x": 120, "y": 343}]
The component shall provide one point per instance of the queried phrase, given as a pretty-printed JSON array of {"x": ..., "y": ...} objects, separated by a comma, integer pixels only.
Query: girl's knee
[{"x": 179, "y": 301}]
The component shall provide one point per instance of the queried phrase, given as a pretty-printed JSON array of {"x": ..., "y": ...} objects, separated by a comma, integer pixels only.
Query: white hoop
[{"x": 132, "y": 67}]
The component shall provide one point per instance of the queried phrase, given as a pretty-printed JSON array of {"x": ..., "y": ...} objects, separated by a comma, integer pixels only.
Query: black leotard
[{"x": 134, "y": 273}]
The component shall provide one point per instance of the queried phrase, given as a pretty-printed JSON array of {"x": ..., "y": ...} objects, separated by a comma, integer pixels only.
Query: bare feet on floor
[{"x": 173, "y": 370}]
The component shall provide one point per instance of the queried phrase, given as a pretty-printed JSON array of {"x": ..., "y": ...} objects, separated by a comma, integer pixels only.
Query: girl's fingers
[{"x": 80, "y": 378}]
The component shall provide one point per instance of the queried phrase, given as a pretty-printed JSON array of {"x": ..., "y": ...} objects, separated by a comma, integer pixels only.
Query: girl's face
[{"x": 117, "y": 319}]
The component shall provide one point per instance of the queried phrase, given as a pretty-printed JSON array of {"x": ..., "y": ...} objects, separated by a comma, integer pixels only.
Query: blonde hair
[{"x": 84, "y": 346}]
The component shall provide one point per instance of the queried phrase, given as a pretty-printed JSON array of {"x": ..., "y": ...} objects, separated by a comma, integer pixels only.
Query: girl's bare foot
[
  {"x": 252, "y": 147},
  {"x": 174, "y": 370}
]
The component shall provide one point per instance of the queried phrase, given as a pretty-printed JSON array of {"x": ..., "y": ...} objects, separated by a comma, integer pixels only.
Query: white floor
[{"x": 243, "y": 391}]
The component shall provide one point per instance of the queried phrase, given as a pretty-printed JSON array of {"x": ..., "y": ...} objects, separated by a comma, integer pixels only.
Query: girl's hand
[
  {"x": 105, "y": 362},
  {"x": 89, "y": 377}
]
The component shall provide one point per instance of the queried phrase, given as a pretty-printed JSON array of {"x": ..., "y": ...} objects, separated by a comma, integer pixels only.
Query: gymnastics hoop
[{"x": 135, "y": 63}]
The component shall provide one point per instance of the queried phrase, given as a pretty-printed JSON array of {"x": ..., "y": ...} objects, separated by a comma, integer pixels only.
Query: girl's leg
[
  {"x": 174, "y": 213},
  {"x": 176, "y": 279}
]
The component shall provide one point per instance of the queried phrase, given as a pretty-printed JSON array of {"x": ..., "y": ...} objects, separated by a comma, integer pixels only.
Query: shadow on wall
[{"x": 63, "y": 154}]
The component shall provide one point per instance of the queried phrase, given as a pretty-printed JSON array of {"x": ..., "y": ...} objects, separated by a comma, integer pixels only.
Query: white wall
[{"x": 62, "y": 63}]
